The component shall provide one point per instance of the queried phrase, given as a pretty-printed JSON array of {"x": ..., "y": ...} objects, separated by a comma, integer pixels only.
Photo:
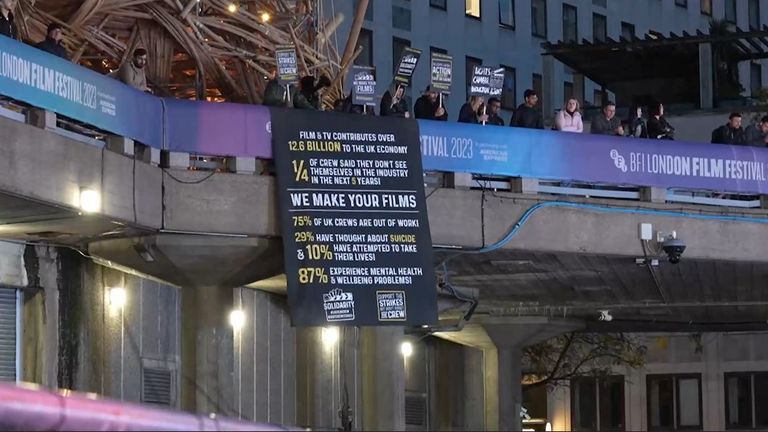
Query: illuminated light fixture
[
  {"x": 406, "y": 349},
  {"x": 329, "y": 336},
  {"x": 117, "y": 297},
  {"x": 232, "y": 8},
  {"x": 265, "y": 17},
  {"x": 548, "y": 427},
  {"x": 237, "y": 319},
  {"x": 90, "y": 200}
]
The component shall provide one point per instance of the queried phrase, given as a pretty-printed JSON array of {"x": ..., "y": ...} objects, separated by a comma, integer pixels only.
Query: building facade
[{"x": 509, "y": 34}]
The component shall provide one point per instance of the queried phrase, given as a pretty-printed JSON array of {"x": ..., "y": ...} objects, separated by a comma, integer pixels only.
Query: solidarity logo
[
  {"x": 339, "y": 305},
  {"x": 618, "y": 160}
]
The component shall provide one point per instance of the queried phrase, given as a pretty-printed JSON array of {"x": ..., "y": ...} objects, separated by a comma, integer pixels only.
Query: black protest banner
[
  {"x": 356, "y": 237},
  {"x": 363, "y": 85},
  {"x": 442, "y": 72},
  {"x": 481, "y": 81},
  {"x": 407, "y": 65},
  {"x": 287, "y": 65}
]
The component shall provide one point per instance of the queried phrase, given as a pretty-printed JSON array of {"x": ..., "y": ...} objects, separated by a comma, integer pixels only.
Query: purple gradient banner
[
  {"x": 221, "y": 129},
  {"x": 516, "y": 152}
]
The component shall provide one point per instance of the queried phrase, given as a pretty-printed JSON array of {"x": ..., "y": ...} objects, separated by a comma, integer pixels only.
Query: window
[
  {"x": 682, "y": 3},
  {"x": 472, "y": 8},
  {"x": 365, "y": 40},
  {"x": 567, "y": 90},
  {"x": 507, "y": 13},
  {"x": 538, "y": 87},
  {"x": 674, "y": 401},
  {"x": 368, "y": 10},
  {"x": 738, "y": 400},
  {"x": 627, "y": 31},
  {"x": 470, "y": 63},
  {"x": 398, "y": 45},
  {"x": 539, "y": 18},
  {"x": 730, "y": 11},
  {"x": 509, "y": 91},
  {"x": 755, "y": 78},
  {"x": 570, "y": 24},
  {"x": 598, "y": 97},
  {"x": 600, "y": 3},
  {"x": 438, "y": 50},
  {"x": 754, "y": 14},
  {"x": 597, "y": 403},
  {"x": 401, "y": 17},
  {"x": 439, "y": 4},
  {"x": 599, "y": 27}
]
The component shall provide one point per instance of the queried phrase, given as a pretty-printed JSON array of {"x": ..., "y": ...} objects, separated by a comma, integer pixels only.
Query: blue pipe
[{"x": 602, "y": 209}]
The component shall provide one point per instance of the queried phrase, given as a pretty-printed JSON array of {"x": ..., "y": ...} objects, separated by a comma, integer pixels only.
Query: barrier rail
[{"x": 45, "y": 81}]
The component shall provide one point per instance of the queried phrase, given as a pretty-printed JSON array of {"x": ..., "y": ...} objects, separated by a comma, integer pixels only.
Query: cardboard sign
[
  {"x": 287, "y": 65},
  {"x": 363, "y": 85},
  {"x": 407, "y": 65},
  {"x": 442, "y": 72}
]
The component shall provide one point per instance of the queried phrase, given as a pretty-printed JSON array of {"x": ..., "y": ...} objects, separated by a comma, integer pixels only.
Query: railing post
[
  {"x": 41, "y": 118},
  {"x": 653, "y": 194},
  {"x": 171, "y": 159},
  {"x": 458, "y": 180},
  {"x": 242, "y": 165},
  {"x": 524, "y": 185},
  {"x": 147, "y": 154},
  {"x": 121, "y": 145}
]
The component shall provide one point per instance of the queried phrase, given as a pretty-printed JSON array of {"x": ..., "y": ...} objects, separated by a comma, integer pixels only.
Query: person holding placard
[
  {"x": 471, "y": 112},
  {"x": 428, "y": 107},
  {"x": 395, "y": 106}
]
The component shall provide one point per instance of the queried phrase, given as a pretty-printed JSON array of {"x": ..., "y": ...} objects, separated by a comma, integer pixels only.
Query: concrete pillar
[
  {"x": 578, "y": 88},
  {"x": 383, "y": 379},
  {"x": 170, "y": 159},
  {"x": 510, "y": 387},
  {"x": 548, "y": 102},
  {"x": 706, "y": 76},
  {"x": 324, "y": 372},
  {"x": 207, "y": 353},
  {"x": 242, "y": 165}
]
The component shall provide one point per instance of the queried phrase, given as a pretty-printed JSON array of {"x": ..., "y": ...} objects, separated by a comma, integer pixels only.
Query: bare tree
[{"x": 579, "y": 354}]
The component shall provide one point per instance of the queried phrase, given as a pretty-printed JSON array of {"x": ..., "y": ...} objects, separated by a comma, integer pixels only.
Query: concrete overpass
[{"x": 539, "y": 265}]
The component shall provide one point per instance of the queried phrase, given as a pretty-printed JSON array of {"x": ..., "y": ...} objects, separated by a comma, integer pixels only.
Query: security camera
[
  {"x": 605, "y": 316},
  {"x": 674, "y": 247}
]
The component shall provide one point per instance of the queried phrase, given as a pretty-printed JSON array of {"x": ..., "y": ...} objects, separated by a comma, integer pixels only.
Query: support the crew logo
[
  {"x": 339, "y": 306},
  {"x": 391, "y": 305}
]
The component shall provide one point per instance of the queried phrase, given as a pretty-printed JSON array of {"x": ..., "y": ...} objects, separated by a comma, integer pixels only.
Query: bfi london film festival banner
[
  {"x": 287, "y": 65},
  {"x": 363, "y": 85},
  {"x": 355, "y": 231},
  {"x": 407, "y": 65},
  {"x": 43, "y": 80},
  {"x": 441, "y": 72}
]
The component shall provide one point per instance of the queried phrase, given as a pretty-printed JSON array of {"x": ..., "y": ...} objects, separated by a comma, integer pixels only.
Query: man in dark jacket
[
  {"x": 308, "y": 97},
  {"x": 494, "y": 106},
  {"x": 428, "y": 107},
  {"x": 757, "y": 135},
  {"x": 275, "y": 94},
  {"x": 526, "y": 115},
  {"x": 7, "y": 26},
  {"x": 52, "y": 42},
  {"x": 607, "y": 123},
  {"x": 395, "y": 105},
  {"x": 730, "y": 133}
]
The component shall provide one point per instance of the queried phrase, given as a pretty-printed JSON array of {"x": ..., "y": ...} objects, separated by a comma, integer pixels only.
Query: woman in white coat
[{"x": 568, "y": 119}]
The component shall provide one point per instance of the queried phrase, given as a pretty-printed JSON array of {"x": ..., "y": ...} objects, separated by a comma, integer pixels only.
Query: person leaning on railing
[
  {"x": 132, "y": 72},
  {"x": 606, "y": 123},
  {"x": 568, "y": 119},
  {"x": 52, "y": 42},
  {"x": 756, "y": 135},
  {"x": 658, "y": 127},
  {"x": 7, "y": 25}
]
